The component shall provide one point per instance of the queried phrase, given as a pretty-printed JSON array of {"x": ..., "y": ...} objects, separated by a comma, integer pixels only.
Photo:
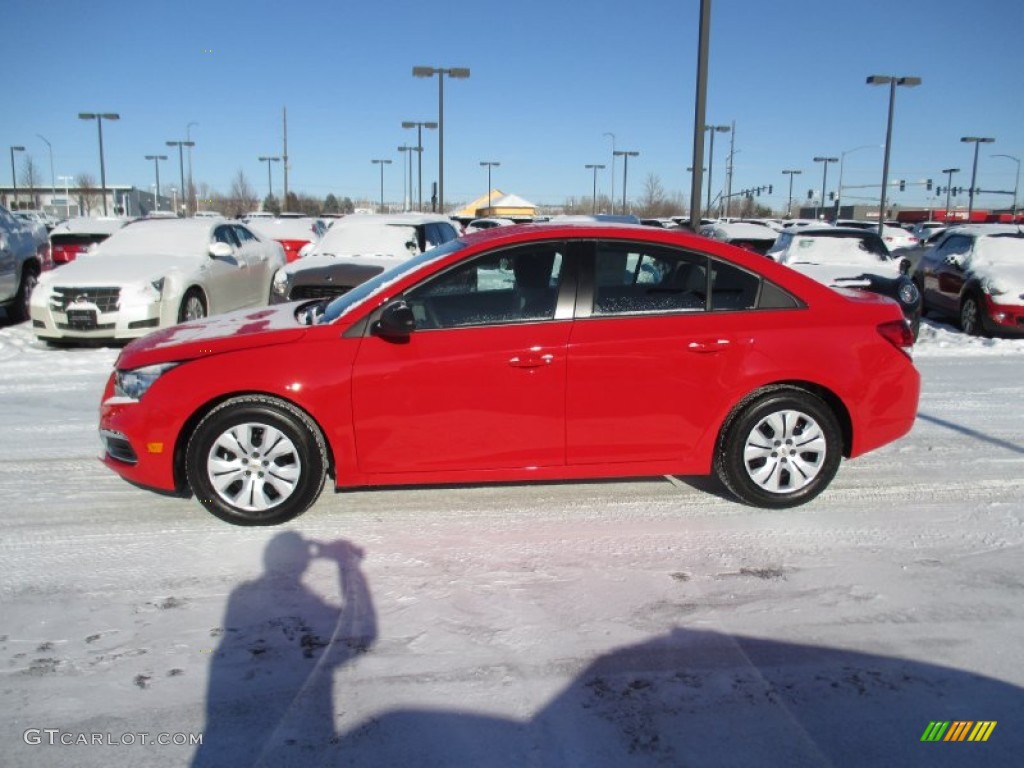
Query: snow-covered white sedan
[
  {"x": 155, "y": 273},
  {"x": 848, "y": 257}
]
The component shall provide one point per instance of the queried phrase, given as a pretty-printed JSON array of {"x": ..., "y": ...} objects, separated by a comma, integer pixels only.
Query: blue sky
[{"x": 548, "y": 80}]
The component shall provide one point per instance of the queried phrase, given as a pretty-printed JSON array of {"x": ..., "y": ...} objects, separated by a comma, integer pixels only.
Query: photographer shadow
[{"x": 270, "y": 698}]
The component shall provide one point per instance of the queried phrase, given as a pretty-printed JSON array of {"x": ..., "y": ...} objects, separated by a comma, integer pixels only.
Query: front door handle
[
  {"x": 705, "y": 346},
  {"x": 530, "y": 361}
]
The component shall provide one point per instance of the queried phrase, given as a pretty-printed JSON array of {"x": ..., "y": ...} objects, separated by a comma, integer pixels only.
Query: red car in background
[
  {"x": 536, "y": 352},
  {"x": 75, "y": 236},
  {"x": 292, "y": 232}
]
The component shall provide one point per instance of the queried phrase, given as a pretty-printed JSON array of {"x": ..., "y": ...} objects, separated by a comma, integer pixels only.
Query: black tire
[
  {"x": 972, "y": 318},
  {"x": 17, "y": 310},
  {"x": 270, "y": 457},
  {"x": 772, "y": 424},
  {"x": 193, "y": 306}
]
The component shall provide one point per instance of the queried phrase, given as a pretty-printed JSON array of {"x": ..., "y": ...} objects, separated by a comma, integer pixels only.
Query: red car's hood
[{"x": 244, "y": 329}]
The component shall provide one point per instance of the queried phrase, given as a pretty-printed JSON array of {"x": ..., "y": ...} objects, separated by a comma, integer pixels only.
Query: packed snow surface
[{"x": 607, "y": 624}]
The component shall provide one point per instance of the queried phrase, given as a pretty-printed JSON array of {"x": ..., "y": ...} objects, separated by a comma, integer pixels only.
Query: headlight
[
  {"x": 995, "y": 287},
  {"x": 281, "y": 283},
  {"x": 908, "y": 293},
  {"x": 134, "y": 383}
]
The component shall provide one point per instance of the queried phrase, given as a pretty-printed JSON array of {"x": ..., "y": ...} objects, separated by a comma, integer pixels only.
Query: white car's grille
[{"x": 105, "y": 299}]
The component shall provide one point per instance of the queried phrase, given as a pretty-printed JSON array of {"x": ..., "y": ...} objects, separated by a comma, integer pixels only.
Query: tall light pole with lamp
[
  {"x": 53, "y": 179},
  {"x": 419, "y": 126},
  {"x": 713, "y": 129},
  {"x": 459, "y": 73},
  {"x": 824, "y": 181},
  {"x": 381, "y": 163},
  {"x": 67, "y": 194},
  {"x": 14, "y": 177},
  {"x": 625, "y": 154},
  {"x": 789, "y": 205},
  {"x": 181, "y": 168},
  {"x": 270, "y": 184},
  {"x": 949, "y": 186},
  {"x": 892, "y": 81},
  {"x": 188, "y": 138},
  {"x": 977, "y": 141},
  {"x": 842, "y": 161},
  {"x": 407, "y": 151},
  {"x": 1016, "y": 182},
  {"x": 156, "y": 165},
  {"x": 99, "y": 117},
  {"x": 490, "y": 164},
  {"x": 611, "y": 195},
  {"x": 595, "y": 168}
]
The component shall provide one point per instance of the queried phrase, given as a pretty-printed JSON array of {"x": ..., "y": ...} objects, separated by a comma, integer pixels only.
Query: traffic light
[
  {"x": 903, "y": 185},
  {"x": 769, "y": 189},
  {"x": 810, "y": 194},
  {"x": 928, "y": 184},
  {"x": 831, "y": 195}
]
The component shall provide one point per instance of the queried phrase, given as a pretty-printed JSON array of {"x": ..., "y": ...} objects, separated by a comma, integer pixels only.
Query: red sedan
[{"x": 516, "y": 354}]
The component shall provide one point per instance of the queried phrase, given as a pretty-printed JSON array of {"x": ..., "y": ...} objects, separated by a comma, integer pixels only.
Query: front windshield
[{"x": 378, "y": 283}]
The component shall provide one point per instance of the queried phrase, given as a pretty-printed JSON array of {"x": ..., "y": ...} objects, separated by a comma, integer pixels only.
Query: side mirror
[
  {"x": 904, "y": 266},
  {"x": 304, "y": 250},
  {"x": 396, "y": 322},
  {"x": 953, "y": 260},
  {"x": 221, "y": 251}
]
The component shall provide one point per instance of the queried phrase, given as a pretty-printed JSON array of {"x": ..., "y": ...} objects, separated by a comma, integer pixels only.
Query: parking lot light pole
[
  {"x": 99, "y": 117},
  {"x": 824, "y": 180},
  {"x": 381, "y": 163},
  {"x": 626, "y": 154},
  {"x": 53, "y": 179},
  {"x": 156, "y": 165},
  {"x": 789, "y": 205},
  {"x": 419, "y": 126},
  {"x": 842, "y": 161},
  {"x": 611, "y": 195},
  {"x": 949, "y": 186},
  {"x": 188, "y": 138},
  {"x": 595, "y": 168},
  {"x": 270, "y": 184},
  {"x": 977, "y": 141},
  {"x": 490, "y": 164},
  {"x": 14, "y": 178},
  {"x": 1016, "y": 182},
  {"x": 181, "y": 168},
  {"x": 892, "y": 81},
  {"x": 711, "y": 155},
  {"x": 455, "y": 72}
]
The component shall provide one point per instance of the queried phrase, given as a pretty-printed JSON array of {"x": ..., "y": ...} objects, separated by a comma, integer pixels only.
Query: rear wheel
[
  {"x": 779, "y": 449},
  {"x": 193, "y": 307},
  {"x": 18, "y": 311},
  {"x": 256, "y": 461}
]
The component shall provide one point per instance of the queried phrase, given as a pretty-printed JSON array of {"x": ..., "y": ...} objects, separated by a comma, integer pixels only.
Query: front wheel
[
  {"x": 256, "y": 461},
  {"x": 779, "y": 450},
  {"x": 971, "y": 320},
  {"x": 193, "y": 307}
]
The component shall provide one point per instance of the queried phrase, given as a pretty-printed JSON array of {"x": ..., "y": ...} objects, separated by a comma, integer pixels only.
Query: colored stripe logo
[{"x": 958, "y": 730}]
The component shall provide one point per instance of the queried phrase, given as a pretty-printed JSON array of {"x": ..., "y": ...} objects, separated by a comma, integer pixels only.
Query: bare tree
[
  {"x": 88, "y": 194},
  {"x": 243, "y": 197},
  {"x": 30, "y": 179}
]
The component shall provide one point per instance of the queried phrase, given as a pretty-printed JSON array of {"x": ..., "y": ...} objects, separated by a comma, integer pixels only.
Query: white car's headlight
[
  {"x": 281, "y": 283},
  {"x": 134, "y": 383}
]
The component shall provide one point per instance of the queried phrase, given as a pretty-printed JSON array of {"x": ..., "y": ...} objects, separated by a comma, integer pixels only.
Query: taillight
[{"x": 898, "y": 333}]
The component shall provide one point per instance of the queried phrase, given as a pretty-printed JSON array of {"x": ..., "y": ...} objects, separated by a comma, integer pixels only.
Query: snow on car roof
[
  {"x": 813, "y": 245},
  {"x": 372, "y": 235},
  {"x": 165, "y": 236},
  {"x": 290, "y": 228},
  {"x": 89, "y": 225}
]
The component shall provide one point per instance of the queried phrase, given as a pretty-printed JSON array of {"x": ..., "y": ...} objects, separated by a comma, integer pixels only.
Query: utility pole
[{"x": 284, "y": 159}]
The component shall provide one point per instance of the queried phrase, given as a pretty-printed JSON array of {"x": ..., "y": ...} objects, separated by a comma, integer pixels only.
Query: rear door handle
[
  {"x": 705, "y": 346},
  {"x": 531, "y": 361}
]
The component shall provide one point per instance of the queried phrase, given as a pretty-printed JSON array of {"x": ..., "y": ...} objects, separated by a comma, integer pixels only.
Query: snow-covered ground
[{"x": 576, "y": 624}]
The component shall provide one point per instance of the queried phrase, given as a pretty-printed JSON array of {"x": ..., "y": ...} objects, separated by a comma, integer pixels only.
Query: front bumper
[{"x": 94, "y": 319}]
